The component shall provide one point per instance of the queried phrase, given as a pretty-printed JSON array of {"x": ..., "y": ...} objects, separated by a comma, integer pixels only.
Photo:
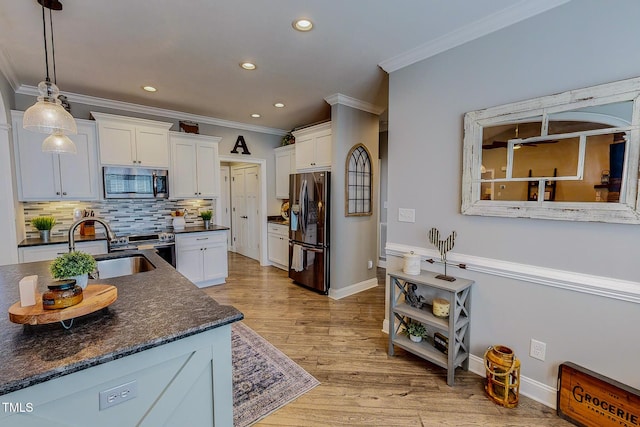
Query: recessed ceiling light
[
  {"x": 255, "y": 115},
  {"x": 149, "y": 88},
  {"x": 248, "y": 65},
  {"x": 278, "y": 105},
  {"x": 302, "y": 24}
]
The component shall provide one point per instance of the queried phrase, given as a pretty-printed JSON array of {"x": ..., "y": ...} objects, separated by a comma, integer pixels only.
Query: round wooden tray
[{"x": 95, "y": 297}]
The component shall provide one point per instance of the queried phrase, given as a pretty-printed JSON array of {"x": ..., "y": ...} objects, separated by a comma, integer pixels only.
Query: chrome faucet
[{"x": 110, "y": 234}]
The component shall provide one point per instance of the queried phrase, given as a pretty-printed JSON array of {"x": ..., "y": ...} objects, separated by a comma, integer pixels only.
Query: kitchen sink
[{"x": 125, "y": 265}]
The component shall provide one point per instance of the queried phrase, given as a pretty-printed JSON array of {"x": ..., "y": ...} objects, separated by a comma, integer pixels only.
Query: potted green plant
[
  {"x": 44, "y": 224},
  {"x": 288, "y": 139},
  {"x": 73, "y": 265},
  {"x": 416, "y": 331},
  {"x": 206, "y": 217}
]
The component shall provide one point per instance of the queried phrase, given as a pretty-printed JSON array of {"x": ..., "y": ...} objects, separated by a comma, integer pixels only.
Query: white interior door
[
  {"x": 245, "y": 185},
  {"x": 252, "y": 191},
  {"x": 223, "y": 203}
]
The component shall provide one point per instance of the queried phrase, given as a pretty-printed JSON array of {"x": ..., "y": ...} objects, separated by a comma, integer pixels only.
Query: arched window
[{"x": 358, "y": 182}]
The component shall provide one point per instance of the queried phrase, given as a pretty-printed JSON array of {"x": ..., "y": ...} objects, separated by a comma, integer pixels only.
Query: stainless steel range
[{"x": 163, "y": 243}]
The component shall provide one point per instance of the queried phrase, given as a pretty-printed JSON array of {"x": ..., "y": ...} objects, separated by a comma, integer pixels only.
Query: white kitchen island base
[{"x": 183, "y": 382}]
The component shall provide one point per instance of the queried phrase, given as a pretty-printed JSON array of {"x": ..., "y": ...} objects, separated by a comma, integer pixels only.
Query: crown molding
[
  {"x": 338, "y": 98},
  {"x": 154, "y": 111},
  {"x": 7, "y": 70},
  {"x": 511, "y": 15}
]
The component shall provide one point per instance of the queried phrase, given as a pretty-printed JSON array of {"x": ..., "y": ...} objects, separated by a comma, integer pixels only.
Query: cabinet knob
[{"x": 57, "y": 193}]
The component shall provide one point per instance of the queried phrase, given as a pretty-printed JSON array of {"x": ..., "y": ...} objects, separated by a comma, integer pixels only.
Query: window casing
[{"x": 358, "y": 182}]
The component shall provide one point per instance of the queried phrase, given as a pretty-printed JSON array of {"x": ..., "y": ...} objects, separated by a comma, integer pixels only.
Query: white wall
[
  {"x": 353, "y": 239},
  {"x": 579, "y": 44}
]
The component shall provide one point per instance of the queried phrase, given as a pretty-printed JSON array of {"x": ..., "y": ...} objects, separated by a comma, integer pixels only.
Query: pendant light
[{"x": 47, "y": 115}]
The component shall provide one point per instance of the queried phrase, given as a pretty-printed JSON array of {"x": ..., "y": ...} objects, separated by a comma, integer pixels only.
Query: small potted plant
[
  {"x": 74, "y": 265},
  {"x": 288, "y": 139},
  {"x": 416, "y": 331},
  {"x": 206, "y": 217},
  {"x": 44, "y": 224}
]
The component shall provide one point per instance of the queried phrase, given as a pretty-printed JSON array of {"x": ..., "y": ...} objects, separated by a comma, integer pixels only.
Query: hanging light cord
[
  {"x": 53, "y": 48},
  {"x": 46, "y": 52}
]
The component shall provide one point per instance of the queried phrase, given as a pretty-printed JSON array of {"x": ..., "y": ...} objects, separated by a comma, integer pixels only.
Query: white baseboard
[
  {"x": 385, "y": 326},
  {"x": 530, "y": 388},
  {"x": 353, "y": 289}
]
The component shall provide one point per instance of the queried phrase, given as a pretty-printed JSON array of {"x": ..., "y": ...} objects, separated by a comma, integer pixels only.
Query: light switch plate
[{"x": 406, "y": 215}]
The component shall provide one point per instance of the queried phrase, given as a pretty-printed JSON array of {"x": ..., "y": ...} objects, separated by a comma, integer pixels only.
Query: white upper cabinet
[
  {"x": 195, "y": 166},
  {"x": 313, "y": 147},
  {"x": 127, "y": 141},
  {"x": 49, "y": 177},
  {"x": 285, "y": 165}
]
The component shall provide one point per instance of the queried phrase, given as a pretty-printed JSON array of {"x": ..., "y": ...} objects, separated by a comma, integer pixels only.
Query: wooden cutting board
[{"x": 95, "y": 297}]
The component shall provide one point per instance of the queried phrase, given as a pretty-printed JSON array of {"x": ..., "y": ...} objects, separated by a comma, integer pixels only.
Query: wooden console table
[{"x": 455, "y": 327}]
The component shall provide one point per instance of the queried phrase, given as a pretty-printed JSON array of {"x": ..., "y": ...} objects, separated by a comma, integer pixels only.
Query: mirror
[{"x": 571, "y": 156}]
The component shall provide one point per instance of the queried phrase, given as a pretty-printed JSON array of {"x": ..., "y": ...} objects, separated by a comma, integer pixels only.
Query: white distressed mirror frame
[{"x": 626, "y": 211}]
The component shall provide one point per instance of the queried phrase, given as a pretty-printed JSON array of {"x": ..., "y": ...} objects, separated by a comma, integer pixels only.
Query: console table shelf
[{"x": 455, "y": 327}]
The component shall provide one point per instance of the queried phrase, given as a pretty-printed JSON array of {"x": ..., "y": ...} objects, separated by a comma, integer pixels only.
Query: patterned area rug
[{"x": 264, "y": 379}]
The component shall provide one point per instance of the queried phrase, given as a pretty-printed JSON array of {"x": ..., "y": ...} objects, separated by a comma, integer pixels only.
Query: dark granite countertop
[
  {"x": 277, "y": 219},
  {"x": 200, "y": 229},
  {"x": 153, "y": 308},
  {"x": 36, "y": 241}
]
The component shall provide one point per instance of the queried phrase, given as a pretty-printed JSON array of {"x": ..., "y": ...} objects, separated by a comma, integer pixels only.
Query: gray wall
[
  {"x": 260, "y": 145},
  {"x": 353, "y": 239},
  {"x": 579, "y": 44}
]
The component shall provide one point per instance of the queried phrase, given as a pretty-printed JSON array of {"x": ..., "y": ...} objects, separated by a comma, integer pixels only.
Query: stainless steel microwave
[{"x": 135, "y": 183}]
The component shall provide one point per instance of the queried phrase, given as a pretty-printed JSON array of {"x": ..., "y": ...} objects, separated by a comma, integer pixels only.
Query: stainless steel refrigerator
[{"x": 309, "y": 202}]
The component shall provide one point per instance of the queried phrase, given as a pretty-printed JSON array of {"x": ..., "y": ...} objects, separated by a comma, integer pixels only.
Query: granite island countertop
[{"x": 153, "y": 308}]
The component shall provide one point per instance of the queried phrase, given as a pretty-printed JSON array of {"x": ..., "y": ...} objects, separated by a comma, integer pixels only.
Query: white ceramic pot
[
  {"x": 415, "y": 338},
  {"x": 82, "y": 280}
]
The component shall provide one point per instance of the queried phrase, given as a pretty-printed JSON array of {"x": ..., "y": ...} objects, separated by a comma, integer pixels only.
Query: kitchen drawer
[
  {"x": 280, "y": 229},
  {"x": 199, "y": 239}
]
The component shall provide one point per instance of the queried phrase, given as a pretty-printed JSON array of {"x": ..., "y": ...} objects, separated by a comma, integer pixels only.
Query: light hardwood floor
[{"x": 342, "y": 345}]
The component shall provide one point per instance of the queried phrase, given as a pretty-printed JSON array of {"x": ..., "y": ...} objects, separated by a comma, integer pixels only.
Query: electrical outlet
[
  {"x": 406, "y": 215},
  {"x": 116, "y": 395},
  {"x": 370, "y": 264},
  {"x": 538, "y": 349}
]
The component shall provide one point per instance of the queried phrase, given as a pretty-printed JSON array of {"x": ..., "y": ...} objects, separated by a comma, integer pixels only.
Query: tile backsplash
[{"x": 125, "y": 217}]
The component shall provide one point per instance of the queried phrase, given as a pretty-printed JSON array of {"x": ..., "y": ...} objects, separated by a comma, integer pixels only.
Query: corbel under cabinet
[{"x": 455, "y": 327}]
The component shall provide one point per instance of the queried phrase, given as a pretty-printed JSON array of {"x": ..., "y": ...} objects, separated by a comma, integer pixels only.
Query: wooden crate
[{"x": 589, "y": 399}]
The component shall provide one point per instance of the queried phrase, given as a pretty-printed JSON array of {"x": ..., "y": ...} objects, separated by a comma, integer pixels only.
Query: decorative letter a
[{"x": 240, "y": 143}]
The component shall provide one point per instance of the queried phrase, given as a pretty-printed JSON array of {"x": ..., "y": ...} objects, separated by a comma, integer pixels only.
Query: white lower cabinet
[
  {"x": 202, "y": 257},
  {"x": 49, "y": 252},
  {"x": 278, "y": 239}
]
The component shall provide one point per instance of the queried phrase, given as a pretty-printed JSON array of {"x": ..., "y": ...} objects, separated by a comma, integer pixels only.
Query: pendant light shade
[
  {"x": 58, "y": 143},
  {"x": 47, "y": 115}
]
